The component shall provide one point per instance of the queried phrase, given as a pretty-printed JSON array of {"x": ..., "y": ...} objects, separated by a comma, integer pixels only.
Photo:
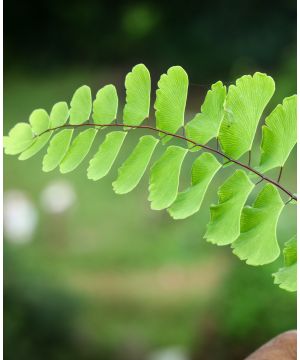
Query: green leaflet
[
  {"x": 257, "y": 243},
  {"x": 59, "y": 114},
  {"x": 279, "y": 134},
  {"x": 78, "y": 150},
  {"x": 19, "y": 139},
  {"x": 37, "y": 145},
  {"x": 138, "y": 90},
  {"x": 39, "y": 121},
  {"x": 81, "y": 105},
  {"x": 244, "y": 106},
  {"x": 290, "y": 251},
  {"x": 189, "y": 201},
  {"x": 103, "y": 160},
  {"x": 286, "y": 277},
  {"x": 224, "y": 225},
  {"x": 57, "y": 149},
  {"x": 131, "y": 172},
  {"x": 205, "y": 126},
  {"x": 105, "y": 106},
  {"x": 164, "y": 178},
  {"x": 5, "y": 140},
  {"x": 171, "y": 98}
]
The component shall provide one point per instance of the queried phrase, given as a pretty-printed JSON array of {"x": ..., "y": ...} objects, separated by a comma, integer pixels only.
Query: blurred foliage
[
  {"x": 208, "y": 39},
  {"x": 39, "y": 318},
  {"x": 252, "y": 311}
]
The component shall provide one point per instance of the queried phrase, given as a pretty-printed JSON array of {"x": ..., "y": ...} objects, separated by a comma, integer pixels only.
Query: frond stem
[{"x": 206, "y": 147}]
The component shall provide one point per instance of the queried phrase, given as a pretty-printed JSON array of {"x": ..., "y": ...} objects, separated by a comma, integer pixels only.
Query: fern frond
[{"x": 232, "y": 117}]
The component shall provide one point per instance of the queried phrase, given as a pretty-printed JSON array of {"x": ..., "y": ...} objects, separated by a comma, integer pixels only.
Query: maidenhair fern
[{"x": 231, "y": 116}]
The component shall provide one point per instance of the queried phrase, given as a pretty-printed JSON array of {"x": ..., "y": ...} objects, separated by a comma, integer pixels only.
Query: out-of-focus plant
[
  {"x": 41, "y": 318},
  {"x": 244, "y": 322}
]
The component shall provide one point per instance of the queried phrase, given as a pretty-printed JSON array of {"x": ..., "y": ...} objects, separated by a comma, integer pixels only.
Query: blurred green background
[{"x": 92, "y": 275}]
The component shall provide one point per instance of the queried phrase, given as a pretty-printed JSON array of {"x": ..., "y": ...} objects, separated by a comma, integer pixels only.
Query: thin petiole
[
  {"x": 291, "y": 199},
  {"x": 279, "y": 175},
  {"x": 259, "y": 181},
  {"x": 249, "y": 158}
]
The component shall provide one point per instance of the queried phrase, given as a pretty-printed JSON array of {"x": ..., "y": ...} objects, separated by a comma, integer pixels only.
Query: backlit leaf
[
  {"x": 132, "y": 170},
  {"x": 290, "y": 251},
  {"x": 279, "y": 134},
  {"x": 78, "y": 150},
  {"x": 138, "y": 90},
  {"x": 19, "y": 139},
  {"x": 57, "y": 149},
  {"x": 37, "y": 145},
  {"x": 286, "y": 277},
  {"x": 189, "y": 201},
  {"x": 39, "y": 121},
  {"x": 224, "y": 225},
  {"x": 105, "y": 106},
  {"x": 171, "y": 98},
  {"x": 164, "y": 178},
  {"x": 81, "y": 105},
  {"x": 103, "y": 160},
  {"x": 59, "y": 114},
  {"x": 257, "y": 243},
  {"x": 5, "y": 141},
  {"x": 205, "y": 125},
  {"x": 244, "y": 105}
]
